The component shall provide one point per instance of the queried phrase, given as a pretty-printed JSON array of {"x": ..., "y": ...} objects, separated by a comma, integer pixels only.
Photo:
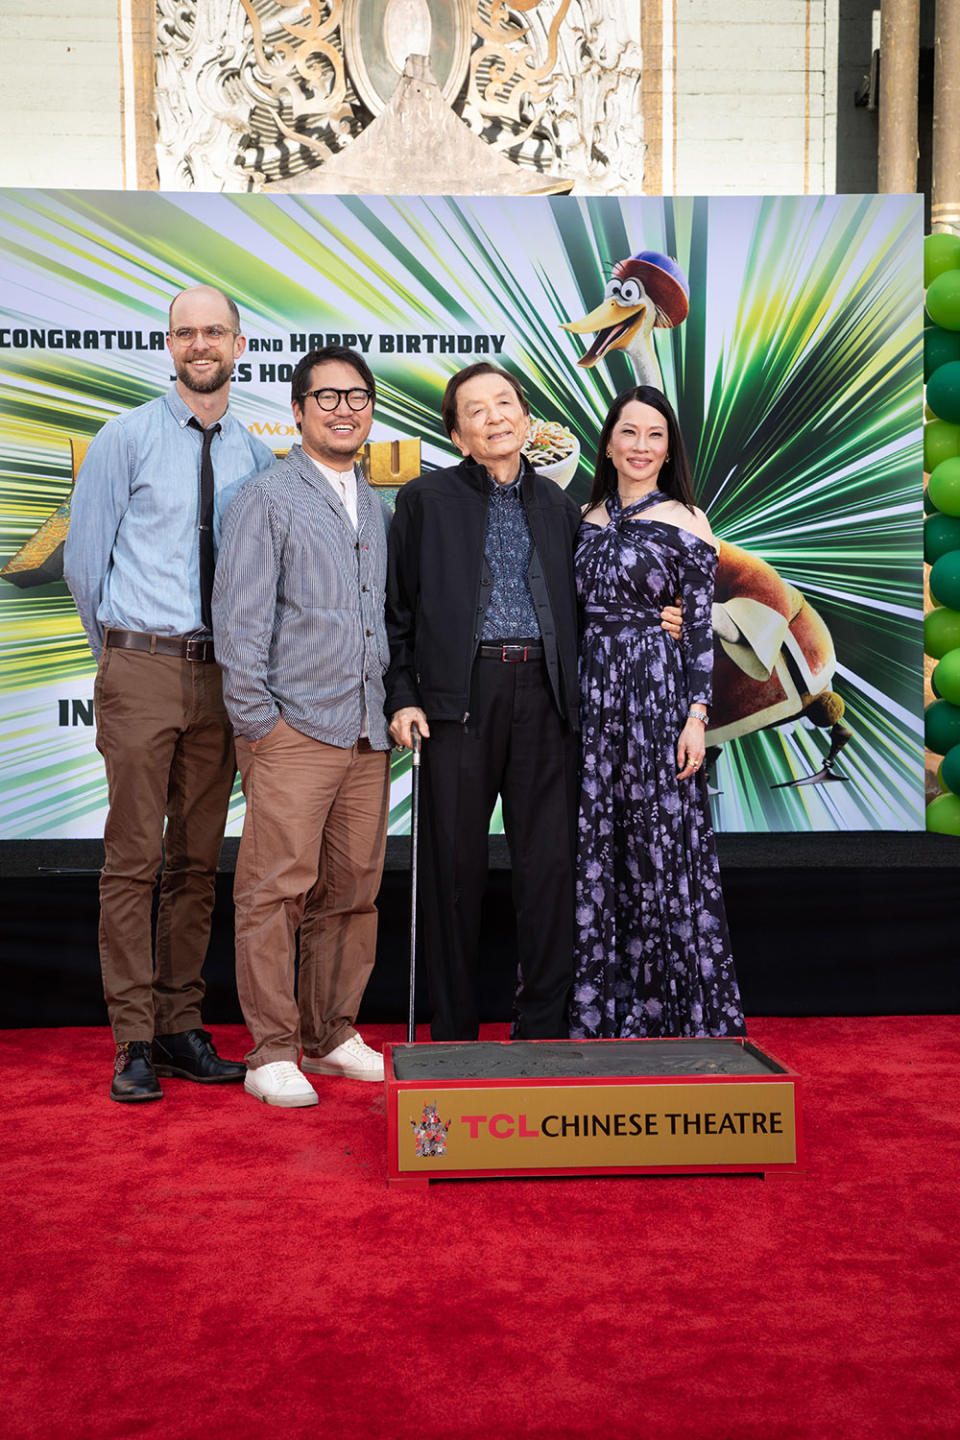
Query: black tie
[{"x": 206, "y": 522}]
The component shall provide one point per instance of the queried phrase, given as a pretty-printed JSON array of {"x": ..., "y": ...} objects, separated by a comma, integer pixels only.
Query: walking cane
[{"x": 414, "y": 833}]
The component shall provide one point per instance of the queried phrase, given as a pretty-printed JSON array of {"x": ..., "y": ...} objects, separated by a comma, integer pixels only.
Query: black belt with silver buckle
[
  {"x": 510, "y": 653},
  {"x": 197, "y": 648}
]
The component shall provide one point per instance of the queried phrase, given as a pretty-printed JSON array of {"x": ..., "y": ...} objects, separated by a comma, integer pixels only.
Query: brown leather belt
[
  {"x": 197, "y": 648},
  {"x": 510, "y": 653}
]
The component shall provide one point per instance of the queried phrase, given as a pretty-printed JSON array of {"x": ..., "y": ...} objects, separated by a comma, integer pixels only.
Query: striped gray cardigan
[{"x": 298, "y": 607}]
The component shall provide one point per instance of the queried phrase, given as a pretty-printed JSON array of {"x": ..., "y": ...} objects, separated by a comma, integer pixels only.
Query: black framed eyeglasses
[{"x": 328, "y": 399}]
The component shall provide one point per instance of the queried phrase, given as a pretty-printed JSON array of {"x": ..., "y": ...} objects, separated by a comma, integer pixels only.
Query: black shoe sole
[
  {"x": 136, "y": 1099},
  {"x": 170, "y": 1072}
]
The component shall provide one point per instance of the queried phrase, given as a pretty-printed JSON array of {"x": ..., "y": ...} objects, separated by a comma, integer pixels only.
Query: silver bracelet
[{"x": 700, "y": 715}]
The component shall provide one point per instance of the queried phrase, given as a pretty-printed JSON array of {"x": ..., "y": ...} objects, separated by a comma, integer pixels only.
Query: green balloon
[
  {"x": 947, "y": 676},
  {"x": 943, "y": 815},
  {"x": 941, "y": 726},
  {"x": 941, "y": 632},
  {"x": 949, "y": 772},
  {"x": 928, "y": 506},
  {"x": 939, "y": 348},
  {"x": 943, "y": 300},
  {"x": 940, "y": 253},
  {"x": 943, "y": 391},
  {"x": 941, "y": 534},
  {"x": 944, "y": 484},
  {"x": 941, "y": 441},
  {"x": 945, "y": 580}
]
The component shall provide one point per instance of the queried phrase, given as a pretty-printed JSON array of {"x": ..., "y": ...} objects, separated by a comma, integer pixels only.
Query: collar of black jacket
[{"x": 480, "y": 476}]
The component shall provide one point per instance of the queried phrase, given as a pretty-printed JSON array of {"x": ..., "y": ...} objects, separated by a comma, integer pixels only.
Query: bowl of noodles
[{"x": 553, "y": 450}]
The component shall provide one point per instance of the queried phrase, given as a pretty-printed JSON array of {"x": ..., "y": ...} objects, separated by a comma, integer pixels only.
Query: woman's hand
[{"x": 691, "y": 748}]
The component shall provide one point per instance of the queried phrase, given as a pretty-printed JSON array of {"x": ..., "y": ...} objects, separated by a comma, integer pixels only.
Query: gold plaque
[{"x": 597, "y": 1126}]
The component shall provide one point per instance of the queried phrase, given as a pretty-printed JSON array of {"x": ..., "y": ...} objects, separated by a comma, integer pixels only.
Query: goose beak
[{"x": 616, "y": 325}]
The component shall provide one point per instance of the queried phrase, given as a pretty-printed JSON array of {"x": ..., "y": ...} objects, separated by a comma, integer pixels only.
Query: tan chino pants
[{"x": 311, "y": 856}]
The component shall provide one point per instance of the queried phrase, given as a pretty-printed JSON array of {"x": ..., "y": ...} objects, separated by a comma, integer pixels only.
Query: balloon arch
[{"x": 941, "y": 531}]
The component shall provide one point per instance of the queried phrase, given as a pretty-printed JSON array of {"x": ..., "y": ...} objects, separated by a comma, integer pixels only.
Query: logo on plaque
[{"x": 430, "y": 1133}]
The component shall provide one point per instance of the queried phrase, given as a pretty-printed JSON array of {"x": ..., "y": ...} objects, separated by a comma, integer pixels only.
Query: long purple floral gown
[{"x": 652, "y": 950}]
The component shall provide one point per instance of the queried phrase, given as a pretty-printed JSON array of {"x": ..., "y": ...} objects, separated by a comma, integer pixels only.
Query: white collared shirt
[{"x": 343, "y": 484}]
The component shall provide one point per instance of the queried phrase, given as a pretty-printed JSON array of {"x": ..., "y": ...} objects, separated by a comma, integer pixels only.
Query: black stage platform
[{"x": 838, "y": 924}]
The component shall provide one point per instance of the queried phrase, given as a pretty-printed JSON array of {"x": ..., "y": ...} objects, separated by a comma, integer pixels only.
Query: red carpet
[{"x": 208, "y": 1266}]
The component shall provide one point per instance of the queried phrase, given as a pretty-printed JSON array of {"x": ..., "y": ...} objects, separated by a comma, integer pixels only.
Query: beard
[{"x": 204, "y": 384}]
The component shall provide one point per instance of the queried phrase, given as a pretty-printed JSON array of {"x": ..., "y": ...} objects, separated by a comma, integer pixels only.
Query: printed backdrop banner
[{"x": 796, "y": 374}]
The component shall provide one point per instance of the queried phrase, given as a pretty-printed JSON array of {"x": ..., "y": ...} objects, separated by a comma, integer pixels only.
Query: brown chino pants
[
  {"x": 167, "y": 747},
  {"x": 311, "y": 855}
]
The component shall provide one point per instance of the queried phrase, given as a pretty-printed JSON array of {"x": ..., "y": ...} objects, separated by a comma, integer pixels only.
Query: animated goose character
[
  {"x": 647, "y": 292},
  {"x": 774, "y": 657}
]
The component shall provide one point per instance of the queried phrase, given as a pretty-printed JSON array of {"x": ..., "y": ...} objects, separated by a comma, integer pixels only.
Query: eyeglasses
[
  {"x": 329, "y": 399},
  {"x": 186, "y": 334}
]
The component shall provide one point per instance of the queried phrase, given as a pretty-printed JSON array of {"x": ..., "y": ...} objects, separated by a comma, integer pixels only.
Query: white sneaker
[
  {"x": 353, "y": 1059},
  {"x": 280, "y": 1084}
]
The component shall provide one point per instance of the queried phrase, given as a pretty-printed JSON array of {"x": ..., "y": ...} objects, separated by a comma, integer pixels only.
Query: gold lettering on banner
[
  {"x": 389, "y": 463},
  {"x": 386, "y": 464},
  {"x": 79, "y": 445}
]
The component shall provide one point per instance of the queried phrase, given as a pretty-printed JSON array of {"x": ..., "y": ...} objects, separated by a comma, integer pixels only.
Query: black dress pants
[{"x": 513, "y": 744}]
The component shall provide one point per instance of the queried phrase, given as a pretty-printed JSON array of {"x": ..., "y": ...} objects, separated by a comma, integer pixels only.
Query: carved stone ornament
[
  {"x": 419, "y": 146},
  {"x": 253, "y": 93}
]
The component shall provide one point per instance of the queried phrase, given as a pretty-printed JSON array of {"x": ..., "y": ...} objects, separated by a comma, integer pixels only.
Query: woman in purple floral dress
[{"x": 652, "y": 951}]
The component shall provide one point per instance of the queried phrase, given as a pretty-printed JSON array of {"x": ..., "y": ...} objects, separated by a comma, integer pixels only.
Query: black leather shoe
[
  {"x": 134, "y": 1077},
  {"x": 190, "y": 1056}
]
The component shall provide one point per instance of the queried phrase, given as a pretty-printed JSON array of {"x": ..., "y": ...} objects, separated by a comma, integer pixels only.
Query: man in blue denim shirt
[{"x": 139, "y": 561}]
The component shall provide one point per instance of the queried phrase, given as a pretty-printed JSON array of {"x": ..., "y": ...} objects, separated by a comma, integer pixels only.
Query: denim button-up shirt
[{"x": 131, "y": 557}]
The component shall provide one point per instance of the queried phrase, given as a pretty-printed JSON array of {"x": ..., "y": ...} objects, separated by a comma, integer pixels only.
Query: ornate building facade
[
  {"x": 612, "y": 96},
  {"x": 252, "y": 92}
]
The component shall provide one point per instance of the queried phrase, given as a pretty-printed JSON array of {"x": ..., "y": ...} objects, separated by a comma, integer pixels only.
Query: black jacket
[{"x": 436, "y": 588}]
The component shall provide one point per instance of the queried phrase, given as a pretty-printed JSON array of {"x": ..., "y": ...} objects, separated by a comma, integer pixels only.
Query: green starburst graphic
[{"x": 796, "y": 377}]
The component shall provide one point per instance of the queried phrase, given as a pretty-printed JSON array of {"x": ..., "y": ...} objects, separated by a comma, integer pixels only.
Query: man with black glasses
[
  {"x": 139, "y": 560},
  {"x": 300, "y": 637}
]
